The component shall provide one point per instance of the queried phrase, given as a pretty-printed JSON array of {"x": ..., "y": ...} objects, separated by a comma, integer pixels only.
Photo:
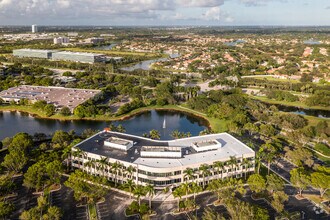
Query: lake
[
  {"x": 14, "y": 122},
  {"x": 145, "y": 65}
]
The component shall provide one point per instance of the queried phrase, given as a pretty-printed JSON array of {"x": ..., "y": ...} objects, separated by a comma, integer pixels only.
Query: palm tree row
[
  {"x": 176, "y": 134},
  {"x": 218, "y": 167},
  {"x": 185, "y": 189},
  {"x": 139, "y": 191},
  {"x": 103, "y": 167}
]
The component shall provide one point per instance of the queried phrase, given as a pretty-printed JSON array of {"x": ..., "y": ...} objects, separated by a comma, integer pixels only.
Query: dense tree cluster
[{"x": 281, "y": 95}]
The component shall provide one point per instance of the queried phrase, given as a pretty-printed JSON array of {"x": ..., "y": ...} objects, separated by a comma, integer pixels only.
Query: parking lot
[{"x": 23, "y": 200}]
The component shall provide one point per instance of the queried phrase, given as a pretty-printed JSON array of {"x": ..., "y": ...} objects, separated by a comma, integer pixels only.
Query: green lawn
[
  {"x": 113, "y": 52},
  {"x": 92, "y": 212},
  {"x": 271, "y": 78},
  {"x": 314, "y": 120},
  {"x": 323, "y": 149}
]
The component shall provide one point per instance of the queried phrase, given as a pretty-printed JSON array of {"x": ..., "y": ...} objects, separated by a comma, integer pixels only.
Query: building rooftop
[
  {"x": 78, "y": 53},
  {"x": 205, "y": 143},
  {"x": 161, "y": 149},
  {"x": 119, "y": 141},
  {"x": 35, "y": 50},
  {"x": 230, "y": 147},
  {"x": 58, "y": 96}
]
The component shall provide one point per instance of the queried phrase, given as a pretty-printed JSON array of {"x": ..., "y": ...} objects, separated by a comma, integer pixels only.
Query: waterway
[
  {"x": 106, "y": 47},
  {"x": 234, "y": 43},
  {"x": 303, "y": 111},
  {"x": 312, "y": 42},
  {"x": 14, "y": 122},
  {"x": 146, "y": 65}
]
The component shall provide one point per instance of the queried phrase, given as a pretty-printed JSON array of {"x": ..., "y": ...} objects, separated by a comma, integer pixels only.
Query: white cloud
[
  {"x": 200, "y": 3},
  {"x": 216, "y": 14},
  {"x": 258, "y": 2},
  {"x": 97, "y": 9},
  {"x": 212, "y": 14}
]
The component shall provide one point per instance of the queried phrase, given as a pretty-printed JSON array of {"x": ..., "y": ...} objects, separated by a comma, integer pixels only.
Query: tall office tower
[{"x": 34, "y": 28}]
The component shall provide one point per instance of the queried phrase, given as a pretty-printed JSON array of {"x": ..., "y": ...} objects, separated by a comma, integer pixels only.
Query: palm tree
[
  {"x": 178, "y": 193},
  {"x": 233, "y": 163},
  {"x": 246, "y": 163},
  {"x": 258, "y": 157},
  {"x": 268, "y": 152},
  {"x": 189, "y": 173},
  {"x": 66, "y": 155},
  {"x": 195, "y": 188},
  {"x": 138, "y": 192},
  {"x": 102, "y": 164},
  {"x": 188, "y": 134},
  {"x": 154, "y": 134},
  {"x": 220, "y": 166},
  {"x": 150, "y": 191},
  {"x": 215, "y": 186},
  {"x": 89, "y": 164},
  {"x": 130, "y": 170},
  {"x": 78, "y": 153},
  {"x": 175, "y": 134},
  {"x": 130, "y": 185},
  {"x": 120, "y": 128},
  {"x": 186, "y": 188},
  {"x": 112, "y": 127},
  {"x": 204, "y": 169},
  {"x": 115, "y": 168}
]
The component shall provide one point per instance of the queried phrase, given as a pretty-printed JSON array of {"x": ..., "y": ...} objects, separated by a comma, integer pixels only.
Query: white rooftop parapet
[
  {"x": 161, "y": 152},
  {"x": 118, "y": 143},
  {"x": 206, "y": 145}
]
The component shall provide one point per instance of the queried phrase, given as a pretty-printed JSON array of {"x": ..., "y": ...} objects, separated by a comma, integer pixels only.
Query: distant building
[
  {"x": 58, "y": 96},
  {"x": 34, "y": 28},
  {"x": 46, "y": 54},
  {"x": 61, "y": 40},
  {"x": 61, "y": 55},
  {"x": 79, "y": 57},
  {"x": 107, "y": 35},
  {"x": 72, "y": 34},
  {"x": 94, "y": 40}
]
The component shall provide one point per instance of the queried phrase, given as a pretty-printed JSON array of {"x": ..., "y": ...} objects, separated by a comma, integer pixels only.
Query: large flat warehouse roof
[{"x": 59, "y": 96}]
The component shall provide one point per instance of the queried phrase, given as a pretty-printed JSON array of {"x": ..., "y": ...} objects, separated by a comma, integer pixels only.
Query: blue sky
[{"x": 165, "y": 12}]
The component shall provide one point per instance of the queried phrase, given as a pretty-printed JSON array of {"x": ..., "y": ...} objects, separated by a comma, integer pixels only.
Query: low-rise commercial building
[
  {"x": 33, "y": 53},
  {"x": 61, "y": 40},
  {"x": 79, "y": 57},
  {"x": 59, "y": 96},
  {"x": 61, "y": 55},
  {"x": 162, "y": 163}
]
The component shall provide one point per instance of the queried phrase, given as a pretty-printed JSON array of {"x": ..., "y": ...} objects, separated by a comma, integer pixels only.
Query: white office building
[
  {"x": 162, "y": 163},
  {"x": 61, "y": 40}
]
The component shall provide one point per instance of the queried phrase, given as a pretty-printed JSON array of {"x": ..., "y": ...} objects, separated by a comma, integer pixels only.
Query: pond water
[
  {"x": 14, "y": 122},
  {"x": 312, "y": 42},
  {"x": 145, "y": 65},
  {"x": 106, "y": 47},
  {"x": 234, "y": 43},
  {"x": 302, "y": 111}
]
